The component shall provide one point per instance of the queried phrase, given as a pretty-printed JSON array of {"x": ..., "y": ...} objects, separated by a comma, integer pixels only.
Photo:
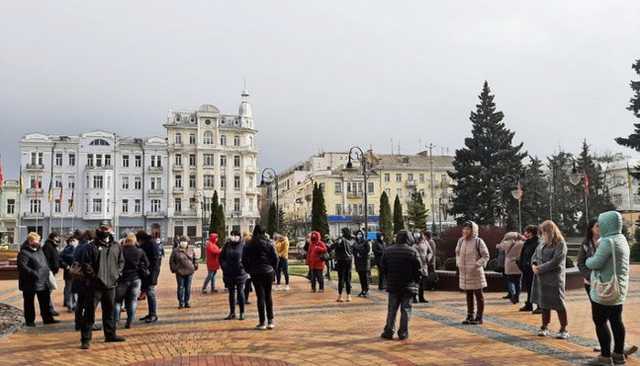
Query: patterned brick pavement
[{"x": 314, "y": 330}]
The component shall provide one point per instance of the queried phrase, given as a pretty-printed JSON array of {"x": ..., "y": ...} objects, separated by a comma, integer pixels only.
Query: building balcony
[
  {"x": 101, "y": 167},
  {"x": 155, "y": 192},
  {"x": 354, "y": 195},
  {"x": 411, "y": 184},
  {"x": 156, "y": 214},
  {"x": 155, "y": 169},
  {"x": 177, "y": 168},
  {"x": 33, "y": 215},
  {"x": 34, "y": 167},
  {"x": 178, "y": 190},
  {"x": 250, "y": 169},
  {"x": 34, "y": 191},
  {"x": 185, "y": 213}
]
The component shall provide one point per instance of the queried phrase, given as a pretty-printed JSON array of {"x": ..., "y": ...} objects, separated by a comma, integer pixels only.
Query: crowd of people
[{"x": 97, "y": 269}]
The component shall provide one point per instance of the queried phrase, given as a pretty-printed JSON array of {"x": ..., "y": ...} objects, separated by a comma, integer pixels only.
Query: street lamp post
[
  {"x": 517, "y": 194},
  {"x": 359, "y": 155},
  {"x": 575, "y": 179},
  {"x": 267, "y": 177}
]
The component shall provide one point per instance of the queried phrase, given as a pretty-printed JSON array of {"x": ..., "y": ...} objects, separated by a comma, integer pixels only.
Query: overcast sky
[{"x": 323, "y": 75}]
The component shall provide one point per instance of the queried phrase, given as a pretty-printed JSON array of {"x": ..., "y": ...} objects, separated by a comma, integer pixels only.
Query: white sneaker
[
  {"x": 278, "y": 288},
  {"x": 286, "y": 288},
  {"x": 271, "y": 325},
  {"x": 562, "y": 335},
  {"x": 261, "y": 327},
  {"x": 543, "y": 332}
]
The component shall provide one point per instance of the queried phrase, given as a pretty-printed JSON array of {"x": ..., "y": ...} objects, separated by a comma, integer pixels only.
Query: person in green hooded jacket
[{"x": 610, "y": 259}]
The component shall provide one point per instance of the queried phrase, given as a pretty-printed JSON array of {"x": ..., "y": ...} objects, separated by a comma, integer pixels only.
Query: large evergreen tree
[
  {"x": 272, "y": 219},
  {"x": 221, "y": 227},
  {"x": 385, "y": 218},
  {"x": 319, "y": 221},
  {"x": 633, "y": 140},
  {"x": 565, "y": 199},
  {"x": 535, "y": 201},
  {"x": 416, "y": 213},
  {"x": 596, "y": 190},
  {"x": 485, "y": 168},
  {"x": 398, "y": 218},
  {"x": 213, "y": 208}
]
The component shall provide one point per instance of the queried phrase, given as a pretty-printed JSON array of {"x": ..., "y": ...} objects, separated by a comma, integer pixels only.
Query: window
[
  {"x": 34, "y": 206},
  {"x": 236, "y": 140},
  {"x": 156, "y": 183},
  {"x": 370, "y": 187},
  {"x": 156, "y": 162},
  {"x": 223, "y": 160},
  {"x": 223, "y": 180},
  {"x": 137, "y": 183},
  {"x": 89, "y": 159},
  {"x": 192, "y": 138},
  {"x": 177, "y": 205},
  {"x": 155, "y": 206},
  {"x": 192, "y": 159},
  {"x": 421, "y": 177},
  {"x": 107, "y": 160},
  {"x": 223, "y": 140},
  {"x": 125, "y": 183},
  {"x": 207, "y": 138},
  {"x": 37, "y": 158},
  {"x": 71, "y": 182},
  {"x": 86, "y": 181},
  {"x": 250, "y": 140},
  {"x": 178, "y": 138},
  {"x": 57, "y": 207},
  {"x": 371, "y": 209},
  {"x": 57, "y": 181},
  {"x": 98, "y": 160},
  {"x": 236, "y": 183},
  {"x": 321, "y": 186},
  {"x": 70, "y": 205},
  {"x": 236, "y": 204},
  {"x": 96, "y": 205},
  {"x": 178, "y": 181},
  {"x": 72, "y": 159},
  {"x": 207, "y": 159},
  {"x": 98, "y": 182},
  {"x": 236, "y": 161},
  {"x": 125, "y": 206},
  {"x": 35, "y": 182},
  {"x": 138, "y": 161},
  {"x": 58, "y": 159},
  {"x": 410, "y": 177},
  {"x": 192, "y": 181},
  {"x": 137, "y": 207},
  {"x": 125, "y": 161},
  {"x": 339, "y": 209},
  {"x": 387, "y": 177},
  {"x": 398, "y": 177},
  {"x": 179, "y": 160},
  {"x": 338, "y": 187},
  {"x": 99, "y": 142},
  {"x": 11, "y": 206},
  {"x": 208, "y": 181}
]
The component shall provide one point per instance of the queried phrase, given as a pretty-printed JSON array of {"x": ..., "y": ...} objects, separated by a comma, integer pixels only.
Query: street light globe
[{"x": 575, "y": 178}]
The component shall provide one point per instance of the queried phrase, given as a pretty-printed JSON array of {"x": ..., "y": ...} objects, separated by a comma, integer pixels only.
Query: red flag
[
  {"x": 1, "y": 176},
  {"x": 586, "y": 184}
]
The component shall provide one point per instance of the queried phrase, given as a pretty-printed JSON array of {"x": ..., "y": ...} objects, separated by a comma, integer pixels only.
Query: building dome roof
[
  {"x": 245, "y": 106},
  {"x": 208, "y": 108}
]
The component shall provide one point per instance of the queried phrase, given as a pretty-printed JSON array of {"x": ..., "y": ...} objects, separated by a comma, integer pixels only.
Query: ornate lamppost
[
  {"x": 356, "y": 153},
  {"x": 267, "y": 177}
]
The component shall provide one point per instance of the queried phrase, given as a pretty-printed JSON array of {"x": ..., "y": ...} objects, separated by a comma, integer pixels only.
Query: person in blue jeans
[
  {"x": 400, "y": 265},
  {"x": 183, "y": 263},
  {"x": 136, "y": 266}
]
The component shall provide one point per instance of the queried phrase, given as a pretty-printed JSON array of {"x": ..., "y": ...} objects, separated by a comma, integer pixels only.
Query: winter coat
[
  {"x": 213, "y": 253},
  {"x": 50, "y": 250},
  {"x": 151, "y": 250},
  {"x": 343, "y": 249},
  {"x": 103, "y": 263},
  {"x": 472, "y": 255},
  {"x": 231, "y": 263},
  {"x": 66, "y": 260},
  {"x": 183, "y": 261},
  {"x": 378, "y": 250},
  {"x": 512, "y": 250},
  {"x": 528, "y": 249},
  {"x": 425, "y": 254},
  {"x": 361, "y": 255},
  {"x": 601, "y": 263},
  {"x": 259, "y": 257},
  {"x": 548, "y": 287},
  {"x": 316, "y": 249},
  {"x": 33, "y": 269},
  {"x": 587, "y": 250},
  {"x": 136, "y": 264},
  {"x": 282, "y": 247},
  {"x": 400, "y": 266}
]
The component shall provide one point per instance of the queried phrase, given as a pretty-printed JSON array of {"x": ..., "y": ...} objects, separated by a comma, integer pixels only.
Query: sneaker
[
  {"x": 468, "y": 320},
  {"x": 204, "y": 291},
  {"x": 618, "y": 359},
  {"x": 151, "y": 319},
  {"x": 403, "y": 337},
  {"x": 261, "y": 327},
  {"x": 286, "y": 288},
  {"x": 599, "y": 361},
  {"x": 543, "y": 332},
  {"x": 506, "y": 297},
  {"x": 144, "y": 318},
  {"x": 278, "y": 288},
  {"x": 348, "y": 298},
  {"x": 271, "y": 325},
  {"x": 562, "y": 335},
  {"x": 339, "y": 299}
]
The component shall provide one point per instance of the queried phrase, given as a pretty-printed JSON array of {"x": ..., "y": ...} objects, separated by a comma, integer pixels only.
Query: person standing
[
  {"x": 362, "y": 259},
  {"x": 33, "y": 280},
  {"x": 425, "y": 254},
  {"x": 66, "y": 261},
  {"x": 50, "y": 250},
  {"x": 343, "y": 253},
  {"x": 610, "y": 266},
  {"x": 524, "y": 263},
  {"x": 378, "y": 249},
  {"x": 149, "y": 283},
  {"x": 213, "y": 263},
  {"x": 246, "y": 238},
  {"x": 587, "y": 250},
  {"x": 512, "y": 245},
  {"x": 315, "y": 260},
  {"x": 329, "y": 259},
  {"x": 136, "y": 267},
  {"x": 401, "y": 267},
  {"x": 102, "y": 263},
  {"x": 233, "y": 273},
  {"x": 472, "y": 256},
  {"x": 548, "y": 264},
  {"x": 183, "y": 263},
  {"x": 260, "y": 260},
  {"x": 282, "y": 249}
]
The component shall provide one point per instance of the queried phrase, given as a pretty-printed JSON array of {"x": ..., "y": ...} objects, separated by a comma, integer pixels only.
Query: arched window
[
  {"x": 207, "y": 138},
  {"x": 99, "y": 142}
]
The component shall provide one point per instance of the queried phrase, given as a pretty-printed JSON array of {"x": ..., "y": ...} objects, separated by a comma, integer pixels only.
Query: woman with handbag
[
  {"x": 183, "y": 263},
  {"x": 512, "y": 245},
  {"x": 136, "y": 267},
  {"x": 549, "y": 264},
  {"x": 609, "y": 286},
  {"x": 315, "y": 260}
]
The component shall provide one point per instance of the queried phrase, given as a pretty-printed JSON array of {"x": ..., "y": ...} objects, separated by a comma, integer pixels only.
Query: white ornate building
[{"x": 211, "y": 152}]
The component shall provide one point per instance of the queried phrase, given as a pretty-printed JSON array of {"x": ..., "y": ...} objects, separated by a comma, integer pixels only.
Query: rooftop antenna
[
  {"x": 392, "y": 146},
  {"x": 399, "y": 153}
]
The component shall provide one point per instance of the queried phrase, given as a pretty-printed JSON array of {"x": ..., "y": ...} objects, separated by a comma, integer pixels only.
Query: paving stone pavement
[{"x": 312, "y": 329}]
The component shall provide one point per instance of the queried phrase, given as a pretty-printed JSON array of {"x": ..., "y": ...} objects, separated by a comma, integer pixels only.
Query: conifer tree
[
  {"x": 272, "y": 219},
  {"x": 319, "y": 221},
  {"x": 596, "y": 190},
  {"x": 535, "y": 199},
  {"x": 385, "y": 218},
  {"x": 416, "y": 213},
  {"x": 398, "y": 218},
  {"x": 213, "y": 208}
]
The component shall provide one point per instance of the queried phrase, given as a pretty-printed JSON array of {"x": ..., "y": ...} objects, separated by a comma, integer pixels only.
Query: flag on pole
[
  {"x": 586, "y": 184},
  {"x": 61, "y": 194},
  {"x": 21, "y": 182},
  {"x": 71, "y": 201},
  {"x": 50, "y": 190},
  {"x": 37, "y": 184},
  {"x": 1, "y": 176}
]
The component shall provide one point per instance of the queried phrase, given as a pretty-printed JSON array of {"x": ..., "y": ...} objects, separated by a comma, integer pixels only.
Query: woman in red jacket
[
  {"x": 213, "y": 263},
  {"x": 315, "y": 261}
]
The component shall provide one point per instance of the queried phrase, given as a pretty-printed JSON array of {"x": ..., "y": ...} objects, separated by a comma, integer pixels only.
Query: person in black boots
[
  {"x": 378, "y": 250},
  {"x": 401, "y": 268},
  {"x": 343, "y": 253},
  {"x": 524, "y": 263},
  {"x": 233, "y": 273},
  {"x": 361, "y": 252},
  {"x": 260, "y": 260},
  {"x": 154, "y": 257},
  {"x": 50, "y": 250},
  {"x": 33, "y": 280},
  {"x": 102, "y": 264}
]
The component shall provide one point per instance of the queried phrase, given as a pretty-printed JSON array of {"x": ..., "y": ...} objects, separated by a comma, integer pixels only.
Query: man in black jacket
[
  {"x": 102, "y": 262},
  {"x": 153, "y": 253},
  {"x": 401, "y": 267},
  {"x": 50, "y": 250},
  {"x": 378, "y": 250},
  {"x": 524, "y": 263}
]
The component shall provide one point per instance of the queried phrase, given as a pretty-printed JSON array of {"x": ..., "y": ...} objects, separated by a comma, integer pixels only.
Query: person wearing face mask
[
  {"x": 183, "y": 263},
  {"x": 343, "y": 252},
  {"x": 50, "y": 250},
  {"x": 425, "y": 254},
  {"x": 472, "y": 256},
  {"x": 66, "y": 260},
  {"x": 33, "y": 281},
  {"x": 233, "y": 273},
  {"x": 378, "y": 249},
  {"x": 587, "y": 250},
  {"x": 361, "y": 252},
  {"x": 315, "y": 261}
]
